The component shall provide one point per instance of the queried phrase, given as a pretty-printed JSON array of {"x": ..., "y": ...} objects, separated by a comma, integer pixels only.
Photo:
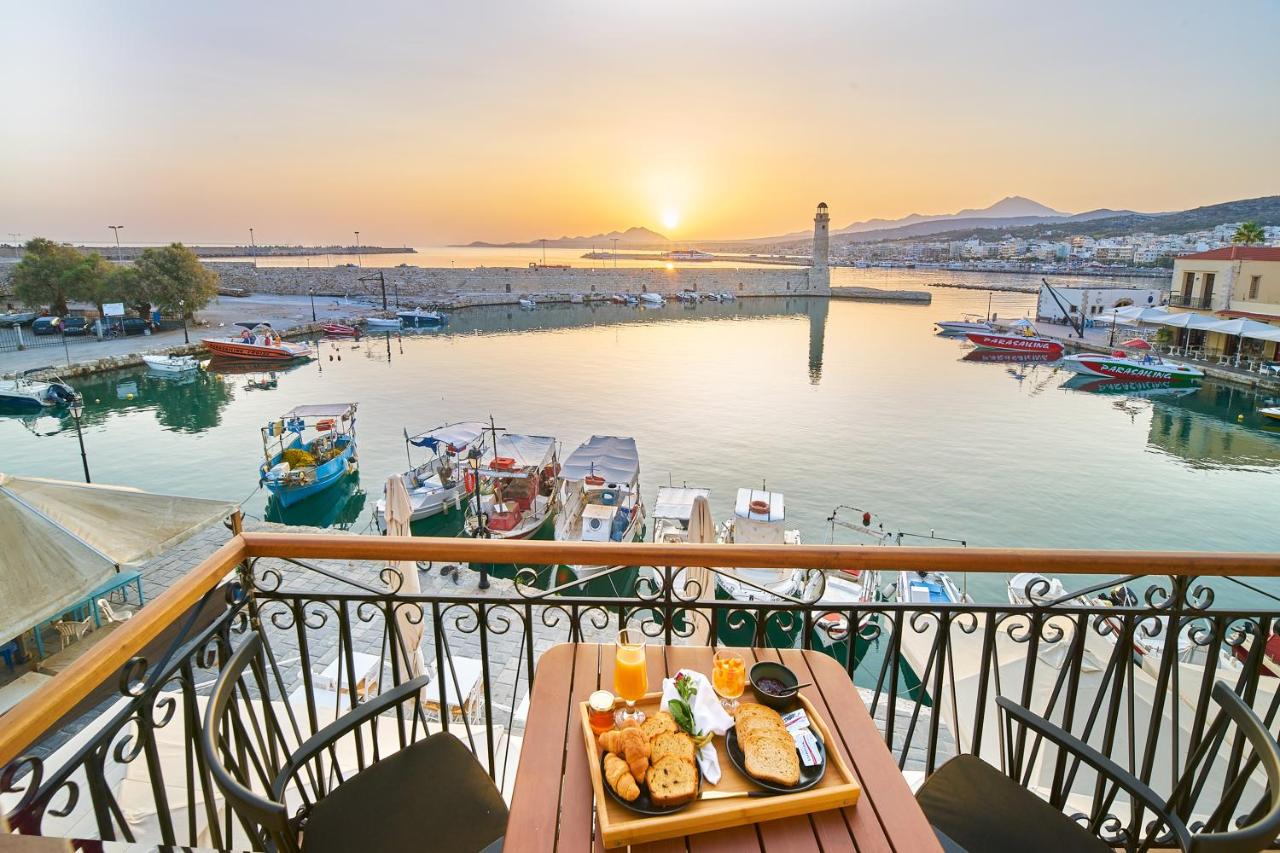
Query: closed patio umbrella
[
  {"x": 702, "y": 529},
  {"x": 409, "y": 622}
]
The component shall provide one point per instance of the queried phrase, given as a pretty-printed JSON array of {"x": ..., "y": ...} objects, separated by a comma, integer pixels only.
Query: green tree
[
  {"x": 50, "y": 274},
  {"x": 174, "y": 279},
  {"x": 98, "y": 282},
  {"x": 1249, "y": 233}
]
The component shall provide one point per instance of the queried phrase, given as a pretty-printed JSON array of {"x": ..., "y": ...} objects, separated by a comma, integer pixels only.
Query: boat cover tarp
[
  {"x": 454, "y": 435},
  {"x": 527, "y": 450},
  {"x": 677, "y": 502},
  {"x": 320, "y": 410},
  {"x": 62, "y": 540},
  {"x": 746, "y": 497},
  {"x": 612, "y": 457}
]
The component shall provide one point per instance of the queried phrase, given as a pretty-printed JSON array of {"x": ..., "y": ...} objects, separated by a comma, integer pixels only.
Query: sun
[{"x": 670, "y": 218}]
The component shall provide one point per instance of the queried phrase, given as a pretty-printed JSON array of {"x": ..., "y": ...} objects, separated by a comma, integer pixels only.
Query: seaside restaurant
[{"x": 1233, "y": 297}]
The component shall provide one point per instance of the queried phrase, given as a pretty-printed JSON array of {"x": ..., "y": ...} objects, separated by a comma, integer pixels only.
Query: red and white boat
[
  {"x": 1021, "y": 337},
  {"x": 262, "y": 343},
  {"x": 1118, "y": 365},
  {"x": 340, "y": 330}
]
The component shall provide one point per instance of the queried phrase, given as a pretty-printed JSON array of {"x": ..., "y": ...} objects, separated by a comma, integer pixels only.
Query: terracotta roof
[
  {"x": 1250, "y": 315},
  {"x": 1236, "y": 253}
]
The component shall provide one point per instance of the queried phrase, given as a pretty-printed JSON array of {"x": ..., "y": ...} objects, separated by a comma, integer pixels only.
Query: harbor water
[{"x": 831, "y": 402}]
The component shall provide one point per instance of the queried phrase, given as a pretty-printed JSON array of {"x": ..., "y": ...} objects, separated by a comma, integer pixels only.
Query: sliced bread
[
  {"x": 677, "y": 744},
  {"x": 659, "y": 723},
  {"x": 771, "y": 757},
  {"x": 672, "y": 781}
]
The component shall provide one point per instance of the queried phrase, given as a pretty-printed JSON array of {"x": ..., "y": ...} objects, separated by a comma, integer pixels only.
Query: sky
[{"x": 428, "y": 123}]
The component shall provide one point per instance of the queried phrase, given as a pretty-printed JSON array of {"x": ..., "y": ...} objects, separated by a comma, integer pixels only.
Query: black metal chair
[
  {"x": 431, "y": 793},
  {"x": 973, "y": 806}
]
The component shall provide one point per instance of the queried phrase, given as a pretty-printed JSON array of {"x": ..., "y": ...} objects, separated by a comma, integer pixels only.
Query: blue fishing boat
[{"x": 296, "y": 466}]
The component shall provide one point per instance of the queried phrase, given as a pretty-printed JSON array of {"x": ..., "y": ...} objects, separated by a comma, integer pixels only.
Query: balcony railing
[
  {"x": 1130, "y": 675},
  {"x": 1185, "y": 300}
]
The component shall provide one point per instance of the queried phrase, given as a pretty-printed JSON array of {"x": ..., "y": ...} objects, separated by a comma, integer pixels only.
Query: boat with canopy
[
  {"x": 308, "y": 449},
  {"x": 599, "y": 496},
  {"x": 439, "y": 483},
  {"x": 517, "y": 488}
]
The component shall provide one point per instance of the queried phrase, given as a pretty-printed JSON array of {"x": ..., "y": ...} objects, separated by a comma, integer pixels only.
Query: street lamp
[
  {"x": 182, "y": 309},
  {"x": 77, "y": 409},
  {"x": 116, "y": 229},
  {"x": 358, "y": 262},
  {"x": 313, "y": 304},
  {"x": 253, "y": 249}
]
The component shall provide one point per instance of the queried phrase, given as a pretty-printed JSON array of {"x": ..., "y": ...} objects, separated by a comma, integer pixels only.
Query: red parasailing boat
[{"x": 1021, "y": 337}]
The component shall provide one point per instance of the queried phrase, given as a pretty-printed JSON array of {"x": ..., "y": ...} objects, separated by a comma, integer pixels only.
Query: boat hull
[
  {"x": 961, "y": 327},
  {"x": 1015, "y": 343},
  {"x": 327, "y": 475},
  {"x": 256, "y": 352}
]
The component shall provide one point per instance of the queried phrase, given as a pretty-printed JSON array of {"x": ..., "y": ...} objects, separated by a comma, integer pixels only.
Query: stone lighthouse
[{"x": 820, "y": 273}]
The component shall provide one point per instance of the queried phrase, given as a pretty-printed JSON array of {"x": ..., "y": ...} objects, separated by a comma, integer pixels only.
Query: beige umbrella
[
  {"x": 702, "y": 529},
  {"x": 398, "y": 514}
]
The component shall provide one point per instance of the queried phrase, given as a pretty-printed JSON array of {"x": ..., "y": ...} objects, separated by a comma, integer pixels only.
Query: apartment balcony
[
  {"x": 1183, "y": 300},
  {"x": 318, "y": 658}
]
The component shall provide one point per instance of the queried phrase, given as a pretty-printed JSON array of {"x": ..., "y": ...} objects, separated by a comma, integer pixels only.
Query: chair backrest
[{"x": 104, "y": 607}]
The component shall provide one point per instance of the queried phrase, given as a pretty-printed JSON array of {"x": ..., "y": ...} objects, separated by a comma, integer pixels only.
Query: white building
[{"x": 1093, "y": 301}]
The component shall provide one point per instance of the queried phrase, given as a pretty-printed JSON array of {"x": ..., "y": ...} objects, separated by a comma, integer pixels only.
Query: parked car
[
  {"x": 127, "y": 326},
  {"x": 45, "y": 326},
  {"x": 75, "y": 326}
]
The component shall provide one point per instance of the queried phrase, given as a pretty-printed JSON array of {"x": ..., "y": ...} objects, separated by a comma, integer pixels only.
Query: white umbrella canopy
[
  {"x": 409, "y": 622},
  {"x": 702, "y": 529}
]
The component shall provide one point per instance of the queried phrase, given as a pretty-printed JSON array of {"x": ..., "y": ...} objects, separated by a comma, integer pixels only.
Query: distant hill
[{"x": 630, "y": 238}]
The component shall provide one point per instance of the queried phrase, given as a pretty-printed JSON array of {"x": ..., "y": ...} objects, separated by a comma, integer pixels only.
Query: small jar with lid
[{"x": 600, "y": 711}]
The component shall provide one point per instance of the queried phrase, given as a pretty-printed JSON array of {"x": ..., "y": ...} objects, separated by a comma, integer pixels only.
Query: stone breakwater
[{"x": 497, "y": 285}]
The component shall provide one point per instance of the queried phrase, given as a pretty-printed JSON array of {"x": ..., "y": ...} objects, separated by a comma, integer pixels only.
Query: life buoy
[
  {"x": 760, "y": 507},
  {"x": 325, "y": 424},
  {"x": 469, "y": 481},
  {"x": 503, "y": 463},
  {"x": 594, "y": 480}
]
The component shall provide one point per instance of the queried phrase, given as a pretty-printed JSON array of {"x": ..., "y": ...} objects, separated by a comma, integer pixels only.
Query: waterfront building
[
  {"x": 1230, "y": 283},
  {"x": 1093, "y": 301}
]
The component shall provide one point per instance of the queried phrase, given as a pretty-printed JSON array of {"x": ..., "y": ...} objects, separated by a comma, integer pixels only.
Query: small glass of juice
[
  {"x": 630, "y": 676},
  {"x": 600, "y": 711}
]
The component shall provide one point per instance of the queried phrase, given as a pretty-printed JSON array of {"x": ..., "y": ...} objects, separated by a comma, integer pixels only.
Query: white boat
[
  {"x": 171, "y": 363},
  {"x": 382, "y": 322},
  {"x": 25, "y": 392},
  {"x": 929, "y": 588},
  {"x": 528, "y": 303},
  {"x": 422, "y": 317},
  {"x": 970, "y": 323},
  {"x": 599, "y": 495},
  {"x": 1149, "y": 368},
  {"x": 440, "y": 483},
  {"x": 517, "y": 493},
  {"x": 726, "y": 297},
  {"x": 652, "y": 299},
  {"x": 672, "y": 511},
  {"x": 688, "y": 296}
]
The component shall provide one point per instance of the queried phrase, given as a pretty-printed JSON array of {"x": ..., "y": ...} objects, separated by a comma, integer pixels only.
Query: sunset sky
[{"x": 428, "y": 123}]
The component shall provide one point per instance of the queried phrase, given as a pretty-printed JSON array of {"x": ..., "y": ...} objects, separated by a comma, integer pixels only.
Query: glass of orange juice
[
  {"x": 729, "y": 678},
  {"x": 630, "y": 675}
]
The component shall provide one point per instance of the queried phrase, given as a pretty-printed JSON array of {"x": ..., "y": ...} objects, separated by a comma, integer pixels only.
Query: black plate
[
  {"x": 642, "y": 804},
  {"x": 809, "y": 776}
]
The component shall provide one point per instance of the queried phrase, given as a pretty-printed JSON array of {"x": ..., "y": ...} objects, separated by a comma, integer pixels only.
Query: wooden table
[{"x": 552, "y": 808}]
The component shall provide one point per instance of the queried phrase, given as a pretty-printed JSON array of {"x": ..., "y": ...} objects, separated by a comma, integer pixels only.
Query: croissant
[
  {"x": 611, "y": 741},
  {"x": 636, "y": 751},
  {"x": 619, "y": 777}
]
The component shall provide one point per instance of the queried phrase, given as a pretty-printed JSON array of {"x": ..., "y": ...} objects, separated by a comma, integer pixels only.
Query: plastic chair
[
  {"x": 69, "y": 630},
  {"x": 108, "y": 613}
]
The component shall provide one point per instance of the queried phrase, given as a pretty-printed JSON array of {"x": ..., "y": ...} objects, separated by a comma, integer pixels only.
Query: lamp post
[
  {"x": 312, "y": 294},
  {"x": 182, "y": 309},
  {"x": 77, "y": 409},
  {"x": 116, "y": 230},
  {"x": 253, "y": 249},
  {"x": 615, "y": 253},
  {"x": 358, "y": 261}
]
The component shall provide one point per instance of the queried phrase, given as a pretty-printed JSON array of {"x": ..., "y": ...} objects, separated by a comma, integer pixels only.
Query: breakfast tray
[{"x": 620, "y": 826}]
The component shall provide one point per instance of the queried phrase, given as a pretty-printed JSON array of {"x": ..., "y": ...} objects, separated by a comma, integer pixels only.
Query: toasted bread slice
[
  {"x": 672, "y": 781},
  {"x": 678, "y": 744},
  {"x": 659, "y": 723},
  {"x": 772, "y": 758}
]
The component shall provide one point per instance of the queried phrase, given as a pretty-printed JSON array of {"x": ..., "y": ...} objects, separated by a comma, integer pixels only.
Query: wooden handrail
[
  {"x": 29, "y": 719},
  {"x": 1001, "y": 560}
]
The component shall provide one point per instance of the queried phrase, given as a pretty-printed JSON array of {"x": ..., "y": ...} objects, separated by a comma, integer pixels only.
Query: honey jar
[{"x": 600, "y": 711}]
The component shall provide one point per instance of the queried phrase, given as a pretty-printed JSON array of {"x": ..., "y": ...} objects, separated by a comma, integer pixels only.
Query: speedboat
[
  {"x": 726, "y": 297},
  {"x": 970, "y": 323},
  {"x": 516, "y": 494},
  {"x": 1270, "y": 412},
  {"x": 438, "y": 484},
  {"x": 688, "y": 296},
  {"x": 1021, "y": 337},
  {"x": 652, "y": 299},
  {"x": 296, "y": 467},
  {"x": 261, "y": 343},
  {"x": 527, "y": 302},
  {"x": 382, "y": 322},
  {"x": 25, "y": 392},
  {"x": 599, "y": 496},
  {"x": 340, "y": 330},
  {"x": 422, "y": 317},
  {"x": 759, "y": 518},
  {"x": 171, "y": 363},
  {"x": 1118, "y": 365}
]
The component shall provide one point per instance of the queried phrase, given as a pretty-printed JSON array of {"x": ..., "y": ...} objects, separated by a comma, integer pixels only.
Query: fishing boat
[
  {"x": 759, "y": 518},
  {"x": 26, "y": 392},
  {"x": 652, "y": 299},
  {"x": 437, "y": 484},
  {"x": 1270, "y": 412},
  {"x": 726, "y": 297},
  {"x": 296, "y": 466},
  {"x": 527, "y": 302},
  {"x": 929, "y": 588},
  {"x": 261, "y": 343},
  {"x": 340, "y": 330},
  {"x": 1020, "y": 337},
  {"x": 970, "y": 323},
  {"x": 688, "y": 296},
  {"x": 516, "y": 495},
  {"x": 382, "y": 322},
  {"x": 421, "y": 317},
  {"x": 1119, "y": 365},
  {"x": 672, "y": 511},
  {"x": 618, "y": 299},
  {"x": 599, "y": 496},
  {"x": 171, "y": 363}
]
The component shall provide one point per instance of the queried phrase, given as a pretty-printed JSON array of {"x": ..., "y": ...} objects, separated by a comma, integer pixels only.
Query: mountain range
[{"x": 631, "y": 238}]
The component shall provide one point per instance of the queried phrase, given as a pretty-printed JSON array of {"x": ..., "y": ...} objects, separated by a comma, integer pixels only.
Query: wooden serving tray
[{"x": 620, "y": 826}]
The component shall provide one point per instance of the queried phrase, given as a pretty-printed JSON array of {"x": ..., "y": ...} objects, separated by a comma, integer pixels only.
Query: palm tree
[{"x": 1249, "y": 233}]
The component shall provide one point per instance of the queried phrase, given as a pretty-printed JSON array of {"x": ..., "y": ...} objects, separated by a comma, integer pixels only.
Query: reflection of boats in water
[
  {"x": 1093, "y": 385},
  {"x": 995, "y": 356},
  {"x": 338, "y": 507}
]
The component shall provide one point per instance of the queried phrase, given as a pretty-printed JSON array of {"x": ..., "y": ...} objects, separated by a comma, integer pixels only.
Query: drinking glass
[
  {"x": 729, "y": 678},
  {"x": 630, "y": 675}
]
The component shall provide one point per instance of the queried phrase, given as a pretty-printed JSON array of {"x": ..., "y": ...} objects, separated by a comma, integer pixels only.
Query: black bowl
[{"x": 770, "y": 669}]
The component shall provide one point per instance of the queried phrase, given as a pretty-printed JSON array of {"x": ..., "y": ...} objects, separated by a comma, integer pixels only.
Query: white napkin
[{"x": 708, "y": 715}]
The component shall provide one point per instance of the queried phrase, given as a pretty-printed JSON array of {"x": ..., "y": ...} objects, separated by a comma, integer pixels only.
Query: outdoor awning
[
  {"x": 527, "y": 450},
  {"x": 1133, "y": 314},
  {"x": 612, "y": 457},
  {"x": 1187, "y": 320},
  {"x": 677, "y": 502},
  {"x": 457, "y": 436},
  {"x": 320, "y": 410},
  {"x": 62, "y": 540}
]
